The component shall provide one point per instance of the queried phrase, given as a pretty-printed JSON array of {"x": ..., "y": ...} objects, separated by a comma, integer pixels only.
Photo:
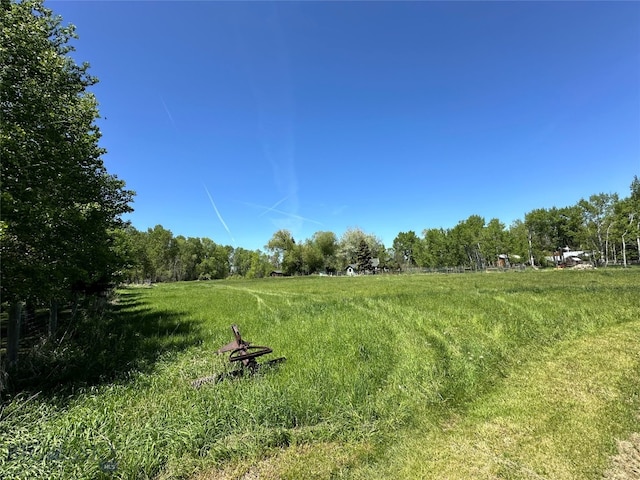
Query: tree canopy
[
  {"x": 59, "y": 203},
  {"x": 60, "y": 206}
]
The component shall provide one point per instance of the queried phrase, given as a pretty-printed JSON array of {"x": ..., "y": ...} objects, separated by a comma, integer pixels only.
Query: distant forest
[{"x": 601, "y": 230}]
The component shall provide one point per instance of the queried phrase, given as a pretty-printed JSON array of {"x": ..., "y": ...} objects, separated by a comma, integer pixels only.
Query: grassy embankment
[{"x": 518, "y": 375}]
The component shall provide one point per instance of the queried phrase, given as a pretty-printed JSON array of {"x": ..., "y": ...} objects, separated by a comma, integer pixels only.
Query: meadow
[{"x": 517, "y": 375}]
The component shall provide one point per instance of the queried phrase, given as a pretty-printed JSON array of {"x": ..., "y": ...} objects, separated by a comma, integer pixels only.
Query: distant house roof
[
  {"x": 574, "y": 253},
  {"x": 375, "y": 262}
]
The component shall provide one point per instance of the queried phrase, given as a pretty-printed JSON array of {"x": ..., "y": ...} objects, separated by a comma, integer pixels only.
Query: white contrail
[
  {"x": 166, "y": 109},
  {"x": 288, "y": 214},
  {"x": 218, "y": 213},
  {"x": 274, "y": 206}
]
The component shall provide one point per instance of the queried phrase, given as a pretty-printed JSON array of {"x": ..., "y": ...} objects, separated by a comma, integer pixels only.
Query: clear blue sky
[{"x": 386, "y": 116}]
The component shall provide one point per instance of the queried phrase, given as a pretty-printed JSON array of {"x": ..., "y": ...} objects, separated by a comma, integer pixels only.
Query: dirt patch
[{"x": 626, "y": 464}]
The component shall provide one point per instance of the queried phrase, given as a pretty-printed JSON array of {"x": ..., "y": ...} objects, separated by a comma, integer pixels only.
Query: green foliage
[
  {"x": 405, "y": 247},
  {"x": 435, "y": 251},
  {"x": 553, "y": 229},
  {"x": 626, "y": 226},
  {"x": 518, "y": 241},
  {"x": 379, "y": 361},
  {"x": 364, "y": 257},
  {"x": 241, "y": 261},
  {"x": 465, "y": 240},
  {"x": 161, "y": 249},
  {"x": 598, "y": 217},
  {"x": 327, "y": 244},
  {"x": 59, "y": 204},
  {"x": 493, "y": 240},
  {"x": 312, "y": 259},
  {"x": 260, "y": 265},
  {"x": 279, "y": 245},
  {"x": 596, "y": 226},
  {"x": 350, "y": 244}
]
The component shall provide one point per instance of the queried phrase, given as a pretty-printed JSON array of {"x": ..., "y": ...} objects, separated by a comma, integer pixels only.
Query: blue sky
[{"x": 232, "y": 120}]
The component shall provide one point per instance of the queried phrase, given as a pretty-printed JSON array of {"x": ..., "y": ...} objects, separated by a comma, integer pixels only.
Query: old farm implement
[{"x": 243, "y": 354}]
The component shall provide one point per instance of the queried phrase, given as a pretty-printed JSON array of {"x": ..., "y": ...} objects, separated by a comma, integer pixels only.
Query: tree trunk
[
  {"x": 624, "y": 253},
  {"x": 13, "y": 333},
  {"x": 606, "y": 247},
  {"x": 638, "y": 240},
  {"x": 600, "y": 247},
  {"x": 530, "y": 249}
]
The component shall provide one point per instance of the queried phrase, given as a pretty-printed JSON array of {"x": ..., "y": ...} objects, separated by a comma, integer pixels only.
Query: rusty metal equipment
[{"x": 244, "y": 353}]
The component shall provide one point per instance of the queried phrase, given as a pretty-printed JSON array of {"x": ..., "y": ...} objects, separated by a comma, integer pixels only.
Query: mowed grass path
[{"x": 515, "y": 375}]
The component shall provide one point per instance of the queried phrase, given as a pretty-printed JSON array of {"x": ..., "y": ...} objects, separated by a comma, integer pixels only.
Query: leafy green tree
[
  {"x": 435, "y": 252},
  {"x": 215, "y": 260},
  {"x": 293, "y": 261},
  {"x": 349, "y": 245},
  {"x": 58, "y": 201},
  {"x": 161, "y": 251},
  {"x": 552, "y": 229},
  {"x": 542, "y": 239},
  {"x": 145, "y": 259},
  {"x": 327, "y": 244},
  {"x": 241, "y": 263},
  {"x": 518, "y": 242},
  {"x": 570, "y": 227},
  {"x": 493, "y": 241},
  {"x": 387, "y": 260},
  {"x": 280, "y": 243},
  {"x": 189, "y": 256},
  {"x": 627, "y": 223},
  {"x": 312, "y": 258},
  {"x": 598, "y": 217},
  {"x": 60, "y": 206},
  {"x": 634, "y": 201},
  {"x": 260, "y": 265},
  {"x": 465, "y": 240},
  {"x": 405, "y": 246},
  {"x": 125, "y": 249}
]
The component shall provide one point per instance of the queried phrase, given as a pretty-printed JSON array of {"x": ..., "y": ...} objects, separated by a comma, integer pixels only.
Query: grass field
[{"x": 485, "y": 375}]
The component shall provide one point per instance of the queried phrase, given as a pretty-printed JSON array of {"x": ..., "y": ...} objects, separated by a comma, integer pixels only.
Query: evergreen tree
[{"x": 364, "y": 257}]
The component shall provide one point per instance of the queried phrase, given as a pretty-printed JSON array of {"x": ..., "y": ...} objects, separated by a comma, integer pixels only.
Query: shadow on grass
[{"x": 103, "y": 346}]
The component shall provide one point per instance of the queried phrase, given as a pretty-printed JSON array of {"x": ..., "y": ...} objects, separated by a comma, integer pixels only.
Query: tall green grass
[{"x": 372, "y": 362}]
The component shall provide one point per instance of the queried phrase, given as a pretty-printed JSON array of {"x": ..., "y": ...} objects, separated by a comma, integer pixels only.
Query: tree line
[
  {"x": 604, "y": 227},
  {"x": 61, "y": 209}
]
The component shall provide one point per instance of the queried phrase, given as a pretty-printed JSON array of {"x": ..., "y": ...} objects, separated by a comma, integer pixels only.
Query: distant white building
[{"x": 567, "y": 257}]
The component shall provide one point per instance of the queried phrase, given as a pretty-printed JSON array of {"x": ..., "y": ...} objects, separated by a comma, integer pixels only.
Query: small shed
[
  {"x": 276, "y": 273},
  {"x": 351, "y": 270}
]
